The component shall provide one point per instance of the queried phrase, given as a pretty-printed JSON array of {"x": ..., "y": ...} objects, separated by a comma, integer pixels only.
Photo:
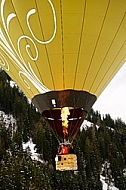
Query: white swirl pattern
[
  {"x": 25, "y": 69},
  {"x": 3, "y": 62}
]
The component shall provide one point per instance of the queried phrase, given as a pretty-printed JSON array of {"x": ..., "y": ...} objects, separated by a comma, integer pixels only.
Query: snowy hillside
[
  {"x": 107, "y": 186},
  {"x": 31, "y": 146},
  {"x": 8, "y": 119}
]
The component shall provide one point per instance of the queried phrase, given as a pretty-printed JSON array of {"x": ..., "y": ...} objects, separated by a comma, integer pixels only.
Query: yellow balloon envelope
[{"x": 62, "y": 52}]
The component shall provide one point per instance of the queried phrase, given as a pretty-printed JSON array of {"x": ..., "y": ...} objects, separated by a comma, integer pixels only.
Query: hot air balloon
[{"x": 62, "y": 54}]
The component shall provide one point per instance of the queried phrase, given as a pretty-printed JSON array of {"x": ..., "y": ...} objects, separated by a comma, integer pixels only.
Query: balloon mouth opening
[
  {"x": 64, "y": 110},
  {"x": 64, "y": 98}
]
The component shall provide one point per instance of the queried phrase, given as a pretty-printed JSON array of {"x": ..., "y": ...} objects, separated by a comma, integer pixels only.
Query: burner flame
[{"x": 64, "y": 115}]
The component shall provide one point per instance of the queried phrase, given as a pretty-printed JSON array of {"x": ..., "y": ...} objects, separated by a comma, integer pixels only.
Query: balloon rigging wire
[
  {"x": 79, "y": 49},
  {"x": 112, "y": 42},
  {"x": 96, "y": 44}
]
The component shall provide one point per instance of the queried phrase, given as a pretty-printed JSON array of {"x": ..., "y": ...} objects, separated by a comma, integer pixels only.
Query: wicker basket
[{"x": 66, "y": 162}]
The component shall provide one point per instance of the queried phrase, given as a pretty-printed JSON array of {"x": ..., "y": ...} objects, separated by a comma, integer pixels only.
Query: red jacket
[{"x": 64, "y": 150}]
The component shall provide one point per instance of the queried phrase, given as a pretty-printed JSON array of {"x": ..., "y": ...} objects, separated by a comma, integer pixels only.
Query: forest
[{"x": 97, "y": 146}]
